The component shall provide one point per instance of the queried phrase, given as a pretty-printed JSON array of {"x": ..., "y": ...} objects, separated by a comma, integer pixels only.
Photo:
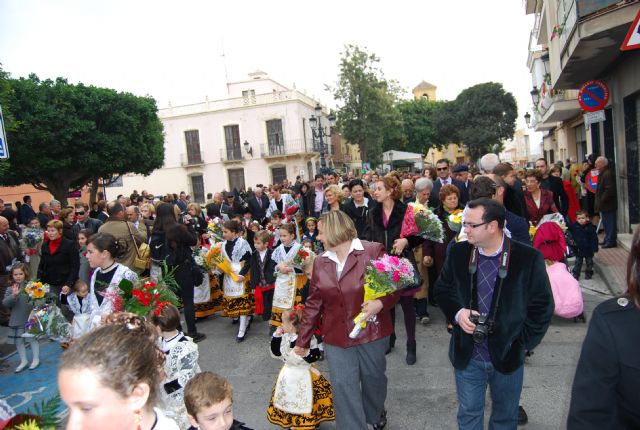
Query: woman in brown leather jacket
[{"x": 336, "y": 295}]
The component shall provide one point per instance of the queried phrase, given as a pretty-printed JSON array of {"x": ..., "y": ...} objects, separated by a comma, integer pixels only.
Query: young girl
[
  {"x": 181, "y": 362},
  {"x": 31, "y": 244},
  {"x": 312, "y": 234},
  {"x": 274, "y": 229},
  {"x": 80, "y": 305},
  {"x": 85, "y": 269},
  {"x": 237, "y": 300},
  {"x": 20, "y": 307},
  {"x": 301, "y": 398},
  {"x": 289, "y": 281}
]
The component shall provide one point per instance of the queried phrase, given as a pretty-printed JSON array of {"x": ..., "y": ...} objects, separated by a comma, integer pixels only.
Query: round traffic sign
[{"x": 593, "y": 96}]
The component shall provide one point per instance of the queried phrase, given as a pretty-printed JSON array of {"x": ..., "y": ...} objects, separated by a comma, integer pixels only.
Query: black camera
[{"x": 484, "y": 327}]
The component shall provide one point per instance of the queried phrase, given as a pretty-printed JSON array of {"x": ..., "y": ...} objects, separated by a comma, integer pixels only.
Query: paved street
[{"x": 419, "y": 397}]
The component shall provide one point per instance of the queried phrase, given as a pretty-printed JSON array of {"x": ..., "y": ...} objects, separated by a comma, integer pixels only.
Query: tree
[
  {"x": 68, "y": 135},
  {"x": 419, "y": 122},
  {"x": 481, "y": 117},
  {"x": 368, "y": 115}
]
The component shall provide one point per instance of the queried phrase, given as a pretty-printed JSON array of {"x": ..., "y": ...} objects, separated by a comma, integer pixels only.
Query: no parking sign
[{"x": 593, "y": 96}]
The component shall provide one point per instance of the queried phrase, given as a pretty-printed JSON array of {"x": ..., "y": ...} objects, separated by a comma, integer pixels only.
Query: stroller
[{"x": 567, "y": 295}]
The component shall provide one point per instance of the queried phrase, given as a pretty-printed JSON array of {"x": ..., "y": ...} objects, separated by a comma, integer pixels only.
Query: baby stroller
[{"x": 567, "y": 296}]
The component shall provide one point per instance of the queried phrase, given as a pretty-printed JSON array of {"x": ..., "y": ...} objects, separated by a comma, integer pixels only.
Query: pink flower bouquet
[
  {"x": 384, "y": 277},
  {"x": 420, "y": 220}
]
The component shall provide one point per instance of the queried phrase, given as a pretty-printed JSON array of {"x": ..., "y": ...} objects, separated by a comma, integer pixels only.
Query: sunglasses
[
  {"x": 440, "y": 169},
  {"x": 79, "y": 213}
]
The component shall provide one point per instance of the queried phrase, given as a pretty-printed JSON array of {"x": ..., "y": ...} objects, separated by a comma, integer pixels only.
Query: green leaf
[{"x": 48, "y": 412}]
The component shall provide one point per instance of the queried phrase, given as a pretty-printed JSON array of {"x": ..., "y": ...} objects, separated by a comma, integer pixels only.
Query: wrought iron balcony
[{"x": 192, "y": 159}]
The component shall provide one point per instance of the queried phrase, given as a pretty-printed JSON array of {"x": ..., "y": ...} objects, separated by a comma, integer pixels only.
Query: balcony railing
[
  {"x": 231, "y": 154},
  {"x": 191, "y": 159},
  {"x": 237, "y": 102}
]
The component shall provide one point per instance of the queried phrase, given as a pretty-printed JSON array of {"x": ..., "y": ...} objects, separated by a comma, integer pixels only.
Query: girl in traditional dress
[
  {"x": 102, "y": 250},
  {"x": 181, "y": 362},
  {"x": 237, "y": 300},
  {"x": 301, "y": 398},
  {"x": 80, "y": 304},
  {"x": 289, "y": 280}
]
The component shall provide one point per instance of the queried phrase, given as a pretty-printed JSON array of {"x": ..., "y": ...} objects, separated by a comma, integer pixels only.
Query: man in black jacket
[
  {"x": 259, "y": 204},
  {"x": 501, "y": 305},
  {"x": 553, "y": 184},
  {"x": 444, "y": 178},
  {"x": 314, "y": 199},
  {"x": 26, "y": 210}
]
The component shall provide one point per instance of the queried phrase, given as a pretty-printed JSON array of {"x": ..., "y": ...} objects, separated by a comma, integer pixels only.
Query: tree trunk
[
  {"x": 94, "y": 190},
  {"x": 60, "y": 191}
]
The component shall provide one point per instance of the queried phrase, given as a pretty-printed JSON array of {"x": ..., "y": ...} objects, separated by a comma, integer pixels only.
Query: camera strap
[{"x": 505, "y": 256}]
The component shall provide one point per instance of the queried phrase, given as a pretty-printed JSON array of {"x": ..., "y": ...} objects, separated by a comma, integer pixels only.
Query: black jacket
[
  {"x": 376, "y": 231},
  {"x": 359, "y": 215},
  {"x": 269, "y": 269},
  {"x": 606, "y": 193},
  {"x": 560, "y": 198},
  {"x": 91, "y": 224},
  {"x": 62, "y": 267},
  {"x": 9, "y": 249},
  {"x": 514, "y": 199},
  {"x": 434, "y": 199},
  {"x": 585, "y": 238},
  {"x": 44, "y": 220},
  {"x": 258, "y": 211},
  {"x": 524, "y": 312},
  {"x": 605, "y": 389}
]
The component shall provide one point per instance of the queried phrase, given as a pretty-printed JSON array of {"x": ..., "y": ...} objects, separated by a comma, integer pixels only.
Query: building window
[
  {"x": 274, "y": 137},
  {"x": 232, "y": 139},
  {"x": 581, "y": 142},
  {"x": 236, "y": 179},
  {"x": 192, "y": 138},
  {"x": 249, "y": 97},
  {"x": 197, "y": 188},
  {"x": 278, "y": 174}
]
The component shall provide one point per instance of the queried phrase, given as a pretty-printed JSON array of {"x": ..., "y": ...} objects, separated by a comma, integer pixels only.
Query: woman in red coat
[
  {"x": 336, "y": 295},
  {"x": 573, "y": 201},
  {"x": 539, "y": 202}
]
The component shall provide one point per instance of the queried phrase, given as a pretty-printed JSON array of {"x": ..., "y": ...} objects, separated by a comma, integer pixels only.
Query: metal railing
[
  {"x": 191, "y": 159},
  {"x": 231, "y": 154}
]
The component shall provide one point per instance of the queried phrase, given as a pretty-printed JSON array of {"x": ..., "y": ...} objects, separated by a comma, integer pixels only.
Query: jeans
[
  {"x": 471, "y": 384},
  {"x": 609, "y": 221}
]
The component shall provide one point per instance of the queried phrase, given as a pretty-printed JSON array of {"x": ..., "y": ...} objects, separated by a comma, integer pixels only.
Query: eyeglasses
[
  {"x": 79, "y": 213},
  {"x": 469, "y": 225},
  {"x": 440, "y": 169}
]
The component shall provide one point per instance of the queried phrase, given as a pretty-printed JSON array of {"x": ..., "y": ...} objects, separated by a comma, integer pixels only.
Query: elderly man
[
  {"x": 488, "y": 162},
  {"x": 506, "y": 283},
  {"x": 462, "y": 174},
  {"x": 606, "y": 202},
  {"x": 408, "y": 194},
  {"x": 213, "y": 208},
  {"x": 44, "y": 214},
  {"x": 258, "y": 204},
  {"x": 9, "y": 254},
  {"x": 56, "y": 207}
]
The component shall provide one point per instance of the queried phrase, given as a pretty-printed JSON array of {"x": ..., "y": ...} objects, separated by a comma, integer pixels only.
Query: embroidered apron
[{"x": 231, "y": 288}]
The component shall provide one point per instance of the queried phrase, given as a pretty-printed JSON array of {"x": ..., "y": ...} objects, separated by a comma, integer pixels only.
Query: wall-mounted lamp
[
  {"x": 535, "y": 95},
  {"x": 527, "y": 119}
]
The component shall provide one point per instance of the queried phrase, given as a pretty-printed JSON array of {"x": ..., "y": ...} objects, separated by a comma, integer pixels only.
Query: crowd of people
[{"x": 492, "y": 286}]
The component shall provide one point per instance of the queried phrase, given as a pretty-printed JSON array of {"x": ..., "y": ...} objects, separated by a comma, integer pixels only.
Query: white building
[{"x": 259, "y": 135}]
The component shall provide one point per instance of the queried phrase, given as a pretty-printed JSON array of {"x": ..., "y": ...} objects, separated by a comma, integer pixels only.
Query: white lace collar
[
  {"x": 240, "y": 248},
  {"x": 280, "y": 255}
]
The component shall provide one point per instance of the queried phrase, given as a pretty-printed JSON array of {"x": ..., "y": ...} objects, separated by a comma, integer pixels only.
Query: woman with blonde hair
[
  {"x": 333, "y": 198},
  {"x": 357, "y": 365}
]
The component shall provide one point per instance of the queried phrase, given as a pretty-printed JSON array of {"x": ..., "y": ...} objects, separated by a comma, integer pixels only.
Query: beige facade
[
  {"x": 259, "y": 135},
  {"x": 572, "y": 42}
]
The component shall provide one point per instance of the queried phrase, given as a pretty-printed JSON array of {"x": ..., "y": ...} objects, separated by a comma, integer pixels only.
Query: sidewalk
[{"x": 611, "y": 264}]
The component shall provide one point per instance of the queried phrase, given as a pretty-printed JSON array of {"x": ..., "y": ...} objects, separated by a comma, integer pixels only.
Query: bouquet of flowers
[
  {"x": 214, "y": 228},
  {"x": 454, "y": 220},
  {"x": 215, "y": 258},
  {"x": 200, "y": 257},
  {"x": 36, "y": 291},
  {"x": 37, "y": 323},
  {"x": 302, "y": 256},
  {"x": 32, "y": 238},
  {"x": 150, "y": 295},
  {"x": 384, "y": 277},
  {"x": 532, "y": 232},
  {"x": 420, "y": 220}
]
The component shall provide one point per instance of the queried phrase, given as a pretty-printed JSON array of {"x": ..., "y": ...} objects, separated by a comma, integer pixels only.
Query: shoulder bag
[{"x": 143, "y": 253}]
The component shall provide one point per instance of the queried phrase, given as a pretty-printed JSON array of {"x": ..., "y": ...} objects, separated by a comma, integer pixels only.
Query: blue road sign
[
  {"x": 593, "y": 96},
  {"x": 4, "y": 149}
]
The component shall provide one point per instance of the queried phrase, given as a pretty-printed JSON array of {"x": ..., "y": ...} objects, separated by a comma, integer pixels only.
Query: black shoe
[
  {"x": 197, "y": 337},
  {"x": 411, "y": 354},
  {"x": 588, "y": 276},
  {"x": 522, "y": 416},
  {"x": 611, "y": 245},
  {"x": 235, "y": 321},
  {"x": 392, "y": 343},
  {"x": 241, "y": 338},
  {"x": 382, "y": 422}
]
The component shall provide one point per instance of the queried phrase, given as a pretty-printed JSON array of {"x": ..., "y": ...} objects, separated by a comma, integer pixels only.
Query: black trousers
[
  {"x": 577, "y": 268},
  {"x": 184, "y": 279}
]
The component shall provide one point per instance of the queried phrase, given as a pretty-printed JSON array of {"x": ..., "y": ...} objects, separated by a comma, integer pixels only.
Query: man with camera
[{"x": 501, "y": 304}]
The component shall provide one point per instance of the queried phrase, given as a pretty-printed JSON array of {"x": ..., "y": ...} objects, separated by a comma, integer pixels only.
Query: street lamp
[
  {"x": 535, "y": 95},
  {"x": 248, "y": 148},
  {"x": 319, "y": 133},
  {"x": 527, "y": 119}
]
